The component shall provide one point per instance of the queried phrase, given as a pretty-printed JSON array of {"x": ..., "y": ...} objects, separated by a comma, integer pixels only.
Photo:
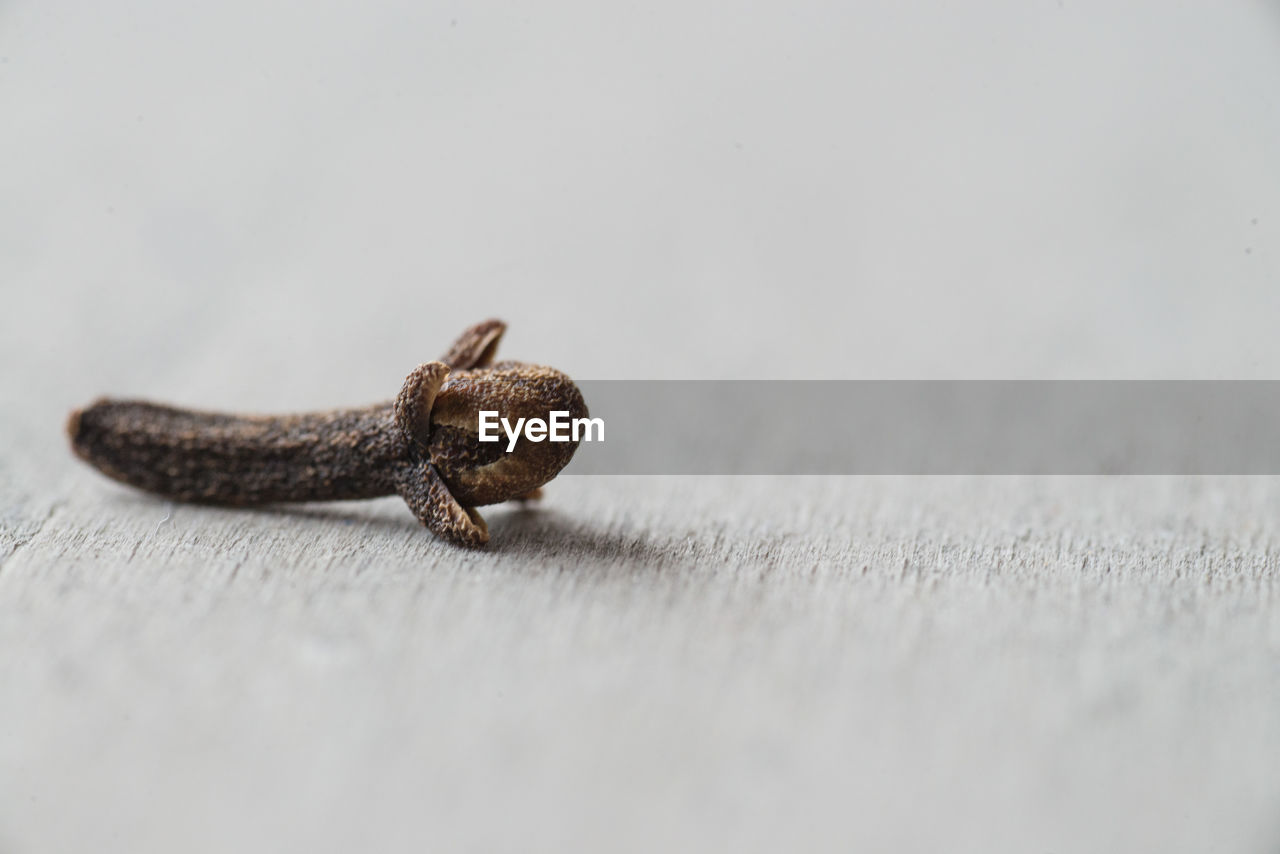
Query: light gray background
[{"x": 274, "y": 205}]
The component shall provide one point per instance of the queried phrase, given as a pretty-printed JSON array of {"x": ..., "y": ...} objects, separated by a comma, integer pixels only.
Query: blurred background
[{"x": 658, "y": 190}]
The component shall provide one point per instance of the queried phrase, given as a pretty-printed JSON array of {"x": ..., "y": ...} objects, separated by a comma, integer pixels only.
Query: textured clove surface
[
  {"x": 424, "y": 445},
  {"x": 215, "y": 458}
]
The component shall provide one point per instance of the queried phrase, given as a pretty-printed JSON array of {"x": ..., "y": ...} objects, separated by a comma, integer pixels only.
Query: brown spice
[{"x": 423, "y": 446}]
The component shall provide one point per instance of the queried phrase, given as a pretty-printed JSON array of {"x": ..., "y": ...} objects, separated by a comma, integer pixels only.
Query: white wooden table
[{"x": 280, "y": 206}]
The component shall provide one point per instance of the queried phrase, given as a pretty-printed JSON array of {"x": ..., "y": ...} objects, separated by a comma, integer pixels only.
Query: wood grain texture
[{"x": 648, "y": 662}]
